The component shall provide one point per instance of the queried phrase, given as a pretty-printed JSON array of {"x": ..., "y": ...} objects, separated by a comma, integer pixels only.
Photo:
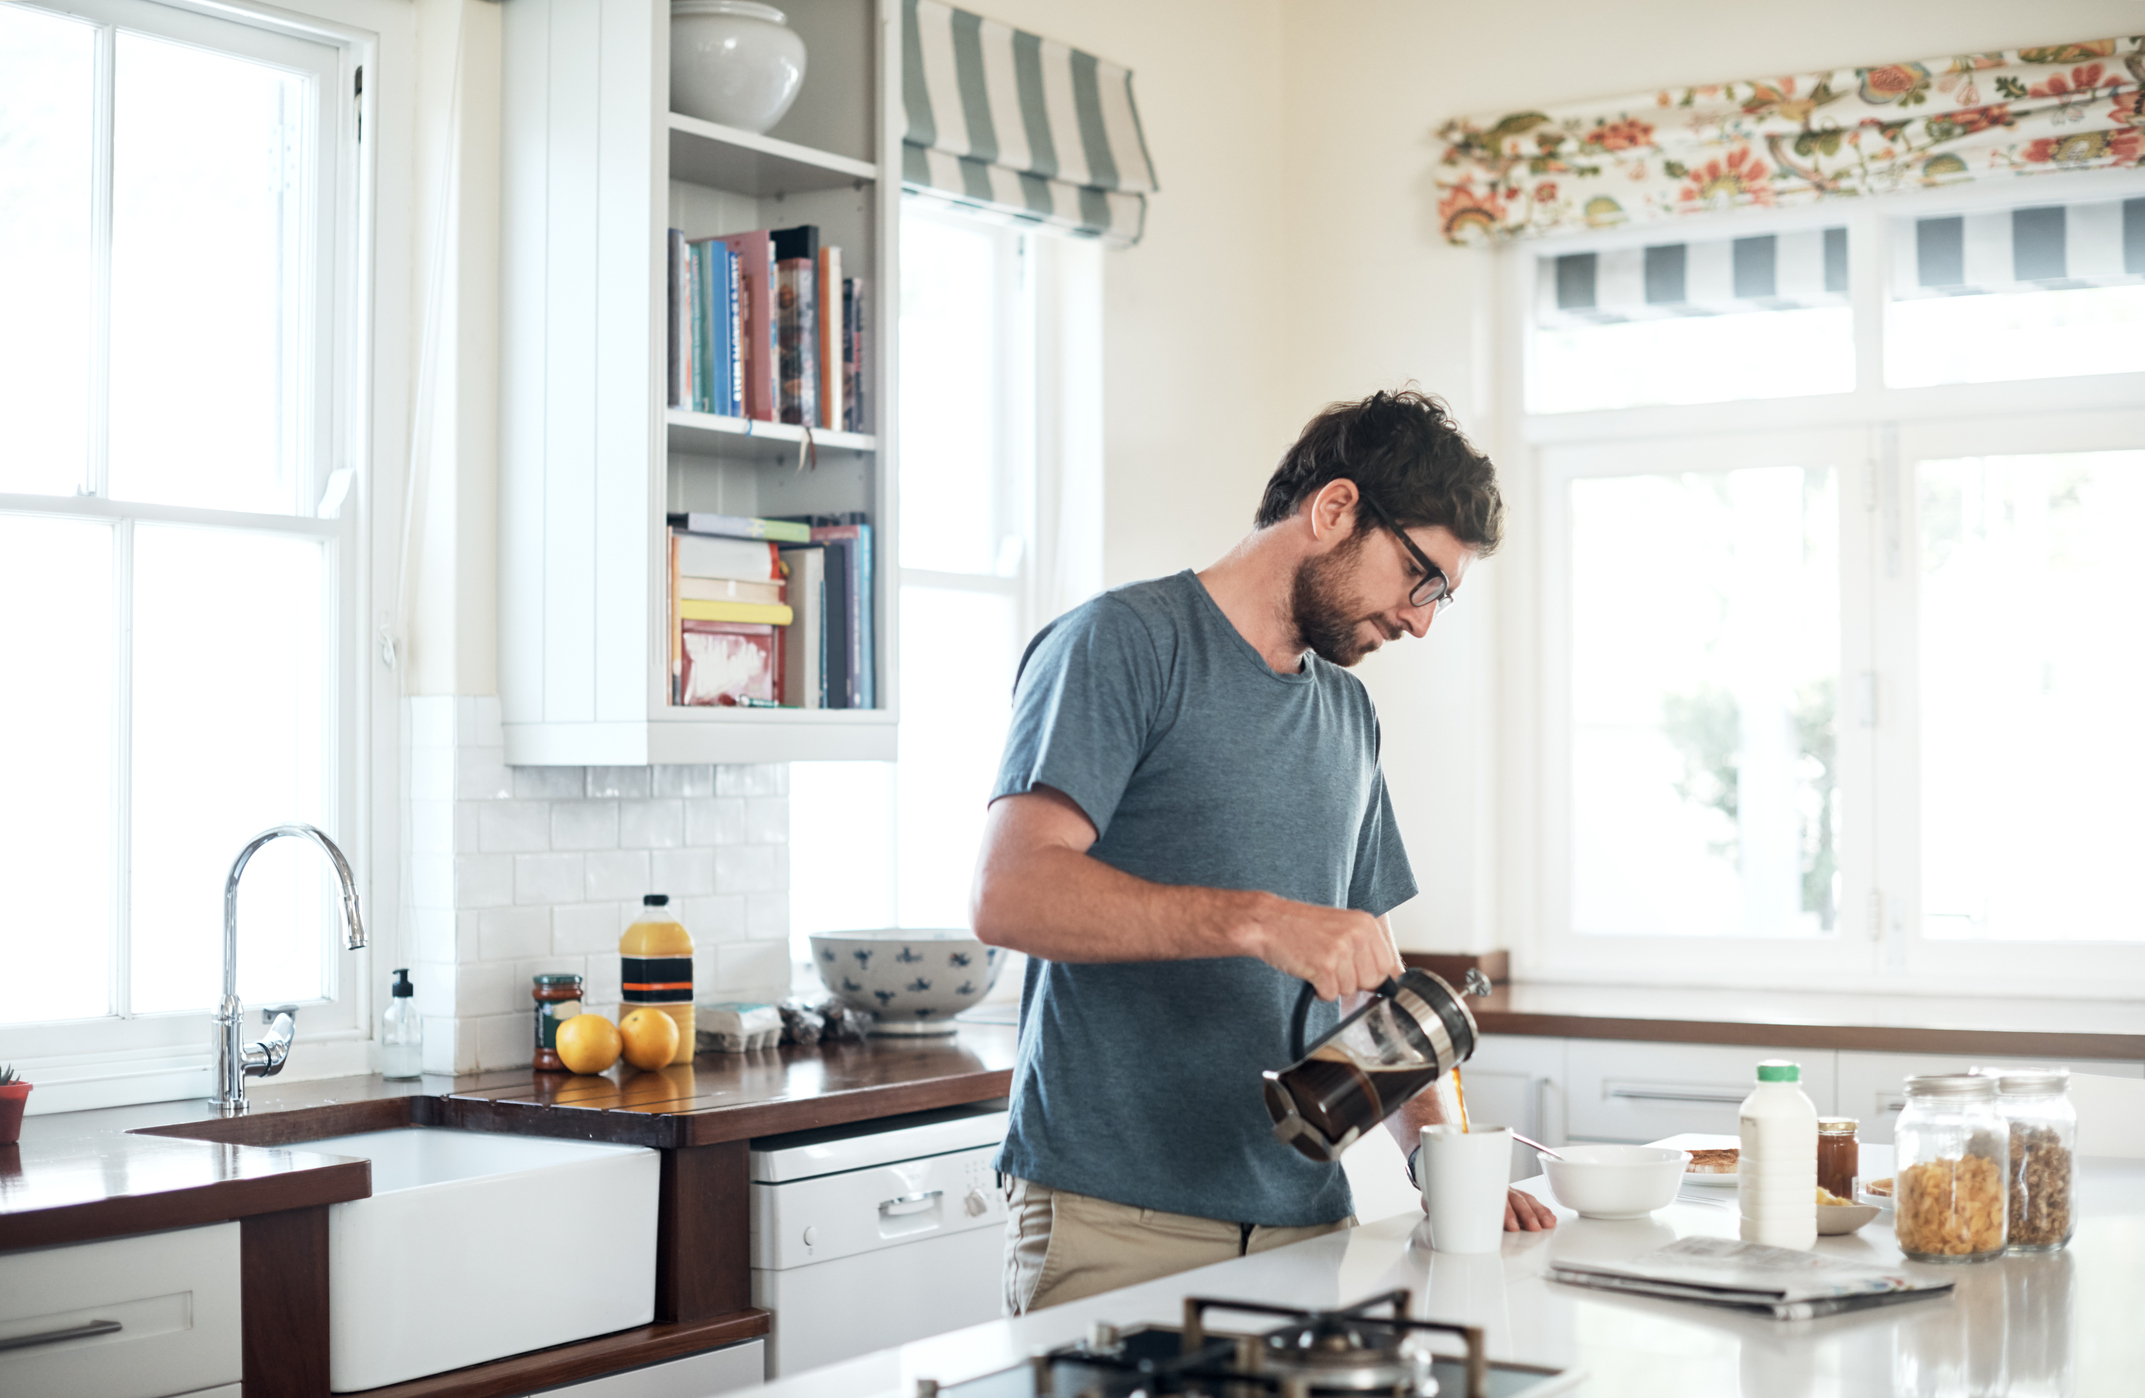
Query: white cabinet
[
  {"x": 695, "y": 1376},
  {"x": 1617, "y": 1091},
  {"x": 1872, "y": 1085},
  {"x": 141, "y": 1317},
  {"x": 595, "y": 171}
]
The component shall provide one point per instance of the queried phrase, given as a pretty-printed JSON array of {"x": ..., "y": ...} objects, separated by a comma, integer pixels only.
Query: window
[
  {"x": 884, "y": 845},
  {"x": 176, "y": 567},
  {"x": 1839, "y": 692}
]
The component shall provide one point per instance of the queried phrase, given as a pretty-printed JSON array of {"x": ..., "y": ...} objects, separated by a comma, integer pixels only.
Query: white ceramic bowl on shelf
[
  {"x": 733, "y": 62},
  {"x": 1616, "y": 1181},
  {"x": 911, "y": 980}
]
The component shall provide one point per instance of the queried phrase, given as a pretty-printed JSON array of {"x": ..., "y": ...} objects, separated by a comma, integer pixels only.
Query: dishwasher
[{"x": 878, "y": 1233}]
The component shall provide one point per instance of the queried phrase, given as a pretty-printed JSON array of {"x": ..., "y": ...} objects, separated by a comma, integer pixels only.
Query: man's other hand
[
  {"x": 1525, "y": 1213},
  {"x": 1338, "y": 950}
]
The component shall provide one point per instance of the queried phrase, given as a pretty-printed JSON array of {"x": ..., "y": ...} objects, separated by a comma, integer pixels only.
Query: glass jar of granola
[
  {"x": 2044, "y": 1137},
  {"x": 1952, "y": 1151}
]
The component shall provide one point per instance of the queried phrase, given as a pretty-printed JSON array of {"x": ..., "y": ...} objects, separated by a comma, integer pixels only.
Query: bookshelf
[{"x": 596, "y": 170}]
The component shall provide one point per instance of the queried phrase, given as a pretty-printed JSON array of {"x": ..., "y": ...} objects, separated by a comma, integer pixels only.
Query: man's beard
[{"x": 1325, "y": 609}]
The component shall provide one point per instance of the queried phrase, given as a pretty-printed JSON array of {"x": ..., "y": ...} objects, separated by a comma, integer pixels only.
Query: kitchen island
[{"x": 2063, "y": 1323}]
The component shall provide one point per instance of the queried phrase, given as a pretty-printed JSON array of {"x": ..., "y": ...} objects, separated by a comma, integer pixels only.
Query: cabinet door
[
  {"x": 1873, "y": 1085},
  {"x": 1638, "y": 1092},
  {"x": 124, "y": 1318}
]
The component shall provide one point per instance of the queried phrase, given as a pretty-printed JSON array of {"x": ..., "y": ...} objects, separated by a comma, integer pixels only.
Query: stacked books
[
  {"x": 764, "y": 325},
  {"x": 772, "y": 611}
]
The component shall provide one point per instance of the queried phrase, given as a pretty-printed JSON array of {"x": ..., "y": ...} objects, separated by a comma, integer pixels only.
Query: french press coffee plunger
[{"x": 1414, "y": 1030}]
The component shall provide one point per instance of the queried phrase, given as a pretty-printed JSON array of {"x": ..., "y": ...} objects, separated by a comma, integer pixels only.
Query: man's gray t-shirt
[{"x": 1198, "y": 764}]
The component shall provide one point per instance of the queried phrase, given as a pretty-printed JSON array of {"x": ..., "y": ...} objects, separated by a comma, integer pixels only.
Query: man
[{"x": 1189, "y": 821}]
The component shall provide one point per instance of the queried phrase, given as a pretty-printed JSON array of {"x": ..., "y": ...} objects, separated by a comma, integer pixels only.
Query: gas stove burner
[{"x": 1346, "y": 1353}]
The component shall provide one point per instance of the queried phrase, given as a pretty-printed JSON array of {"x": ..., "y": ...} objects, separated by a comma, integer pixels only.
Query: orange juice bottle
[{"x": 656, "y": 957}]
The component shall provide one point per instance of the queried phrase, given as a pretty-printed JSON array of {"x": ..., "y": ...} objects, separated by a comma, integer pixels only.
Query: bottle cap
[
  {"x": 655, "y": 900},
  {"x": 402, "y": 985},
  {"x": 1962, "y": 1085},
  {"x": 1779, "y": 1070}
]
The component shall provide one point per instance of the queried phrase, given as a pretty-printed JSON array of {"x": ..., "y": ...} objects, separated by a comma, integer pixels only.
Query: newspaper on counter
[{"x": 1780, "y": 1282}]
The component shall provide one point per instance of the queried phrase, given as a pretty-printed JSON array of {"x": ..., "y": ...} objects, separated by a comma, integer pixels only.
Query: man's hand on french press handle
[{"x": 1340, "y": 951}]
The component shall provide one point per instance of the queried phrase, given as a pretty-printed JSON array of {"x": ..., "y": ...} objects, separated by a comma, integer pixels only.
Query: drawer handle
[
  {"x": 908, "y": 1204},
  {"x": 72, "y": 1332},
  {"x": 1666, "y": 1094}
]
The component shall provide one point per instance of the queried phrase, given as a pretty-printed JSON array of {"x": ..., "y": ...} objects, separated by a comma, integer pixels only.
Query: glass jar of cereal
[
  {"x": 2044, "y": 1138},
  {"x": 1952, "y": 1153}
]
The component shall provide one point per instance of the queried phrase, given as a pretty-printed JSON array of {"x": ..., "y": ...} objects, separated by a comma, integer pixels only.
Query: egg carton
[{"x": 733, "y": 1028}]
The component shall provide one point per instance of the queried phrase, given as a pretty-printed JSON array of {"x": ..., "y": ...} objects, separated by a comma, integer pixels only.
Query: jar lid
[
  {"x": 1965, "y": 1086},
  {"x": 2032, "y": 1082},
  {"x": 557, "y": 978},
  {"x": 1835, "y": 1124}
]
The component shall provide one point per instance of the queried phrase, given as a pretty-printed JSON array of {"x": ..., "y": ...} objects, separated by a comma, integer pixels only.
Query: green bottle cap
[{"x": 1779, "y": 1070}]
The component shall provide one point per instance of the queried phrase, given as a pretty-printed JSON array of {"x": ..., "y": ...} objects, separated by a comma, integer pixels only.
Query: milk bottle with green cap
[{"x": 1776, "y": 1171}]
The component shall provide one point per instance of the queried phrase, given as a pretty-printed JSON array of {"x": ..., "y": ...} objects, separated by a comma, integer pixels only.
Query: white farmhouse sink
[{"x": 476, "y": 1245}]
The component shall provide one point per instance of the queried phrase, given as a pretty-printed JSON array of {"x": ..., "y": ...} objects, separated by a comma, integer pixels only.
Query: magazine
[{"x": 1779, "y": 1282}]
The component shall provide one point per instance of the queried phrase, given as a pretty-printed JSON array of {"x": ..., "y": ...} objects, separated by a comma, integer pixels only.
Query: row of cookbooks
[
  {"x": 772, "y": 612},
  {"x": 764, "y": 325}
]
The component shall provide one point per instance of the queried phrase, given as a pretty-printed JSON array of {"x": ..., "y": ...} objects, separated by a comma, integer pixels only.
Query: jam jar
[
  {"x": 1839, "y": 1156},
  {"x": 558, "y": 999},
  {"x": 1953, "y": 1150}
]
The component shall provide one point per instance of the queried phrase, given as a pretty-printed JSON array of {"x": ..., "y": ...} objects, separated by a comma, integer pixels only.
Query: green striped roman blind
[{"x": 1019, "y": 126}]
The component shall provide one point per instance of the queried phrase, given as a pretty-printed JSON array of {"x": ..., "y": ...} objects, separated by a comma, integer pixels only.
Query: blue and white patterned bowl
[{"x": 912, "y": 980}]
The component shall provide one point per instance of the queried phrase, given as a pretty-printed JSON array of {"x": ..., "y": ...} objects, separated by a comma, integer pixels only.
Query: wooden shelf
[
  {"x": 710, "y": 434},
  {"x": 724, "y": 157}
]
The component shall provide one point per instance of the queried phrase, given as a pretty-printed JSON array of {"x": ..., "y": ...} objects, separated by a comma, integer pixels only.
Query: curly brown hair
[{"x": 1404, "y": 451}]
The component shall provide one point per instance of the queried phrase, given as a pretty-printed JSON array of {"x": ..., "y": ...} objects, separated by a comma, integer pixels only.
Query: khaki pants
[{"x": 1061, "y": 1246}]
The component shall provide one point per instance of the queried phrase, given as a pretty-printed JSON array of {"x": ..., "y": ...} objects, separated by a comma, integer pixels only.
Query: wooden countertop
[
  {"x": 77, "y": 1188},
  {"x": 1996, "y": 1026}
]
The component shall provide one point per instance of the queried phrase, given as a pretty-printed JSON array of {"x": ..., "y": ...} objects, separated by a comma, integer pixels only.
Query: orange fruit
[
  {"x": 588, "y": 1044},
  {"x": 651, "y": 1038}
]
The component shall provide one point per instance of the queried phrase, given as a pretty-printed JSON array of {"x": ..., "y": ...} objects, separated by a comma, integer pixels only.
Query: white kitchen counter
[{"x": 2067, "y": 1323}]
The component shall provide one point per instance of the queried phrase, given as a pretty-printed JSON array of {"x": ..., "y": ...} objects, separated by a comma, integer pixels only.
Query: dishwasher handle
[
  {"x": 1688, "y": 1094},
  {"x": 908, "y": 1204},
  {"x": 72, "y": 1332}
]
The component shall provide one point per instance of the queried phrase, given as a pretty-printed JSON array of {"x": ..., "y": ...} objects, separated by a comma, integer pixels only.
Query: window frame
[
  {"x": 1873, "y": 436},
  {"x": 354, "y": 345}
]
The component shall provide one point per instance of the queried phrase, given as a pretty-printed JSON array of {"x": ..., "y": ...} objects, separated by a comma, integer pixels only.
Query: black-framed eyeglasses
[{"x": 1433, "y": 586}]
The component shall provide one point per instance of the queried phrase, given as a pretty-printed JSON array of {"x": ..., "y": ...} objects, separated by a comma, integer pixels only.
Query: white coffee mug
[{"x": 1464, "y": 1175}]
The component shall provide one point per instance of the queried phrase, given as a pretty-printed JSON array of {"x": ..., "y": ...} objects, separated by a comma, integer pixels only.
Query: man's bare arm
[{"x": 1038, "y": 891}]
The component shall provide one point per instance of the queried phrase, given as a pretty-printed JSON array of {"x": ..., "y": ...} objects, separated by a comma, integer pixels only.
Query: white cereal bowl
[
  {"x": 911, "y": 980},
  {"x": 1615, "y": 1181},
  {"x": 1833, "y": 1219}
]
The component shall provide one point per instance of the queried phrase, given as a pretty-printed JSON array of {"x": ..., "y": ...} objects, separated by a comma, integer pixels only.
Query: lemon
[
  {"x": 587, "y": 1044},
  {"x": 651, "y": 1038}
]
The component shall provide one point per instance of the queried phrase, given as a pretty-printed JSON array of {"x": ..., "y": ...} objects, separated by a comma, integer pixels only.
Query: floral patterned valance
[{"x": 1794, "y": 139}]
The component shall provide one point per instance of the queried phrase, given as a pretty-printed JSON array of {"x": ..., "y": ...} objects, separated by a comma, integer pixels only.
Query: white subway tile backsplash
[
  {"x": 586, "y": 927},
  {"x": 547, "y": 783},
  {"x": 481, "y": 774},
  {"x": 483, "y": 880},
  {"x": 681, "y": 872},
  {"x": 488, "y": 988},
  {"x": 512, "y": 932},
  {"x": 613, "y": 876},
  {"x": 715, "y": 821},
  {"x": 448, "y": 1047},
  {"x": 747, "y": 869},
  {"x": 476, "y": 721},
  {"x": 767, "y": 820},
  {"x": 431, "y": 936},
  {"x": 617, "y": 781},
  {"x": 767, "y": 916},
  {"x": 720, "y": 918},
  {"x": 547, "y": 878},
  {"x": 428, "y": 721},
  {"x": 505, "y": 1041},
  {"x": 752, "y": 779},
  {"x": 467, "y": 826},
  {"x": 434, "y": 982},
  {"x": 760, "y": 970},
  {"x": 513, "y": 827},
  {"x": 676, "y": 779},
  {"x": 432, "y": 827},
  {"x": 431, "y": 774},
  {"x": 432, "y": 880},
  {"x": 651, "y": 824},
  {"x": 584, "y": 825}
]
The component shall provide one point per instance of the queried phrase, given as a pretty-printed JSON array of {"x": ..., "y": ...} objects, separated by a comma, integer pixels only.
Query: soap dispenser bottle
[{"x": 402, "y": 1033}]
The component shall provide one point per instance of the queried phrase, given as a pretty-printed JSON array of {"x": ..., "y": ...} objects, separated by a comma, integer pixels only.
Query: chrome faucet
[{"x": 237, "y": 1060}]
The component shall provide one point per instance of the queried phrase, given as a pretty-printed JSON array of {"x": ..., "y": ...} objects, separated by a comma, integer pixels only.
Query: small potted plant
[{"x": 14, "y": 1096}]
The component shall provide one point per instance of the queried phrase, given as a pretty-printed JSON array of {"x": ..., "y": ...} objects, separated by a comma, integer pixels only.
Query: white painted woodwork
[
  {"x": 174, "y": 1295},
  {"x": 596, "y": 170},
  {"x": 695, "y": 1376}
]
